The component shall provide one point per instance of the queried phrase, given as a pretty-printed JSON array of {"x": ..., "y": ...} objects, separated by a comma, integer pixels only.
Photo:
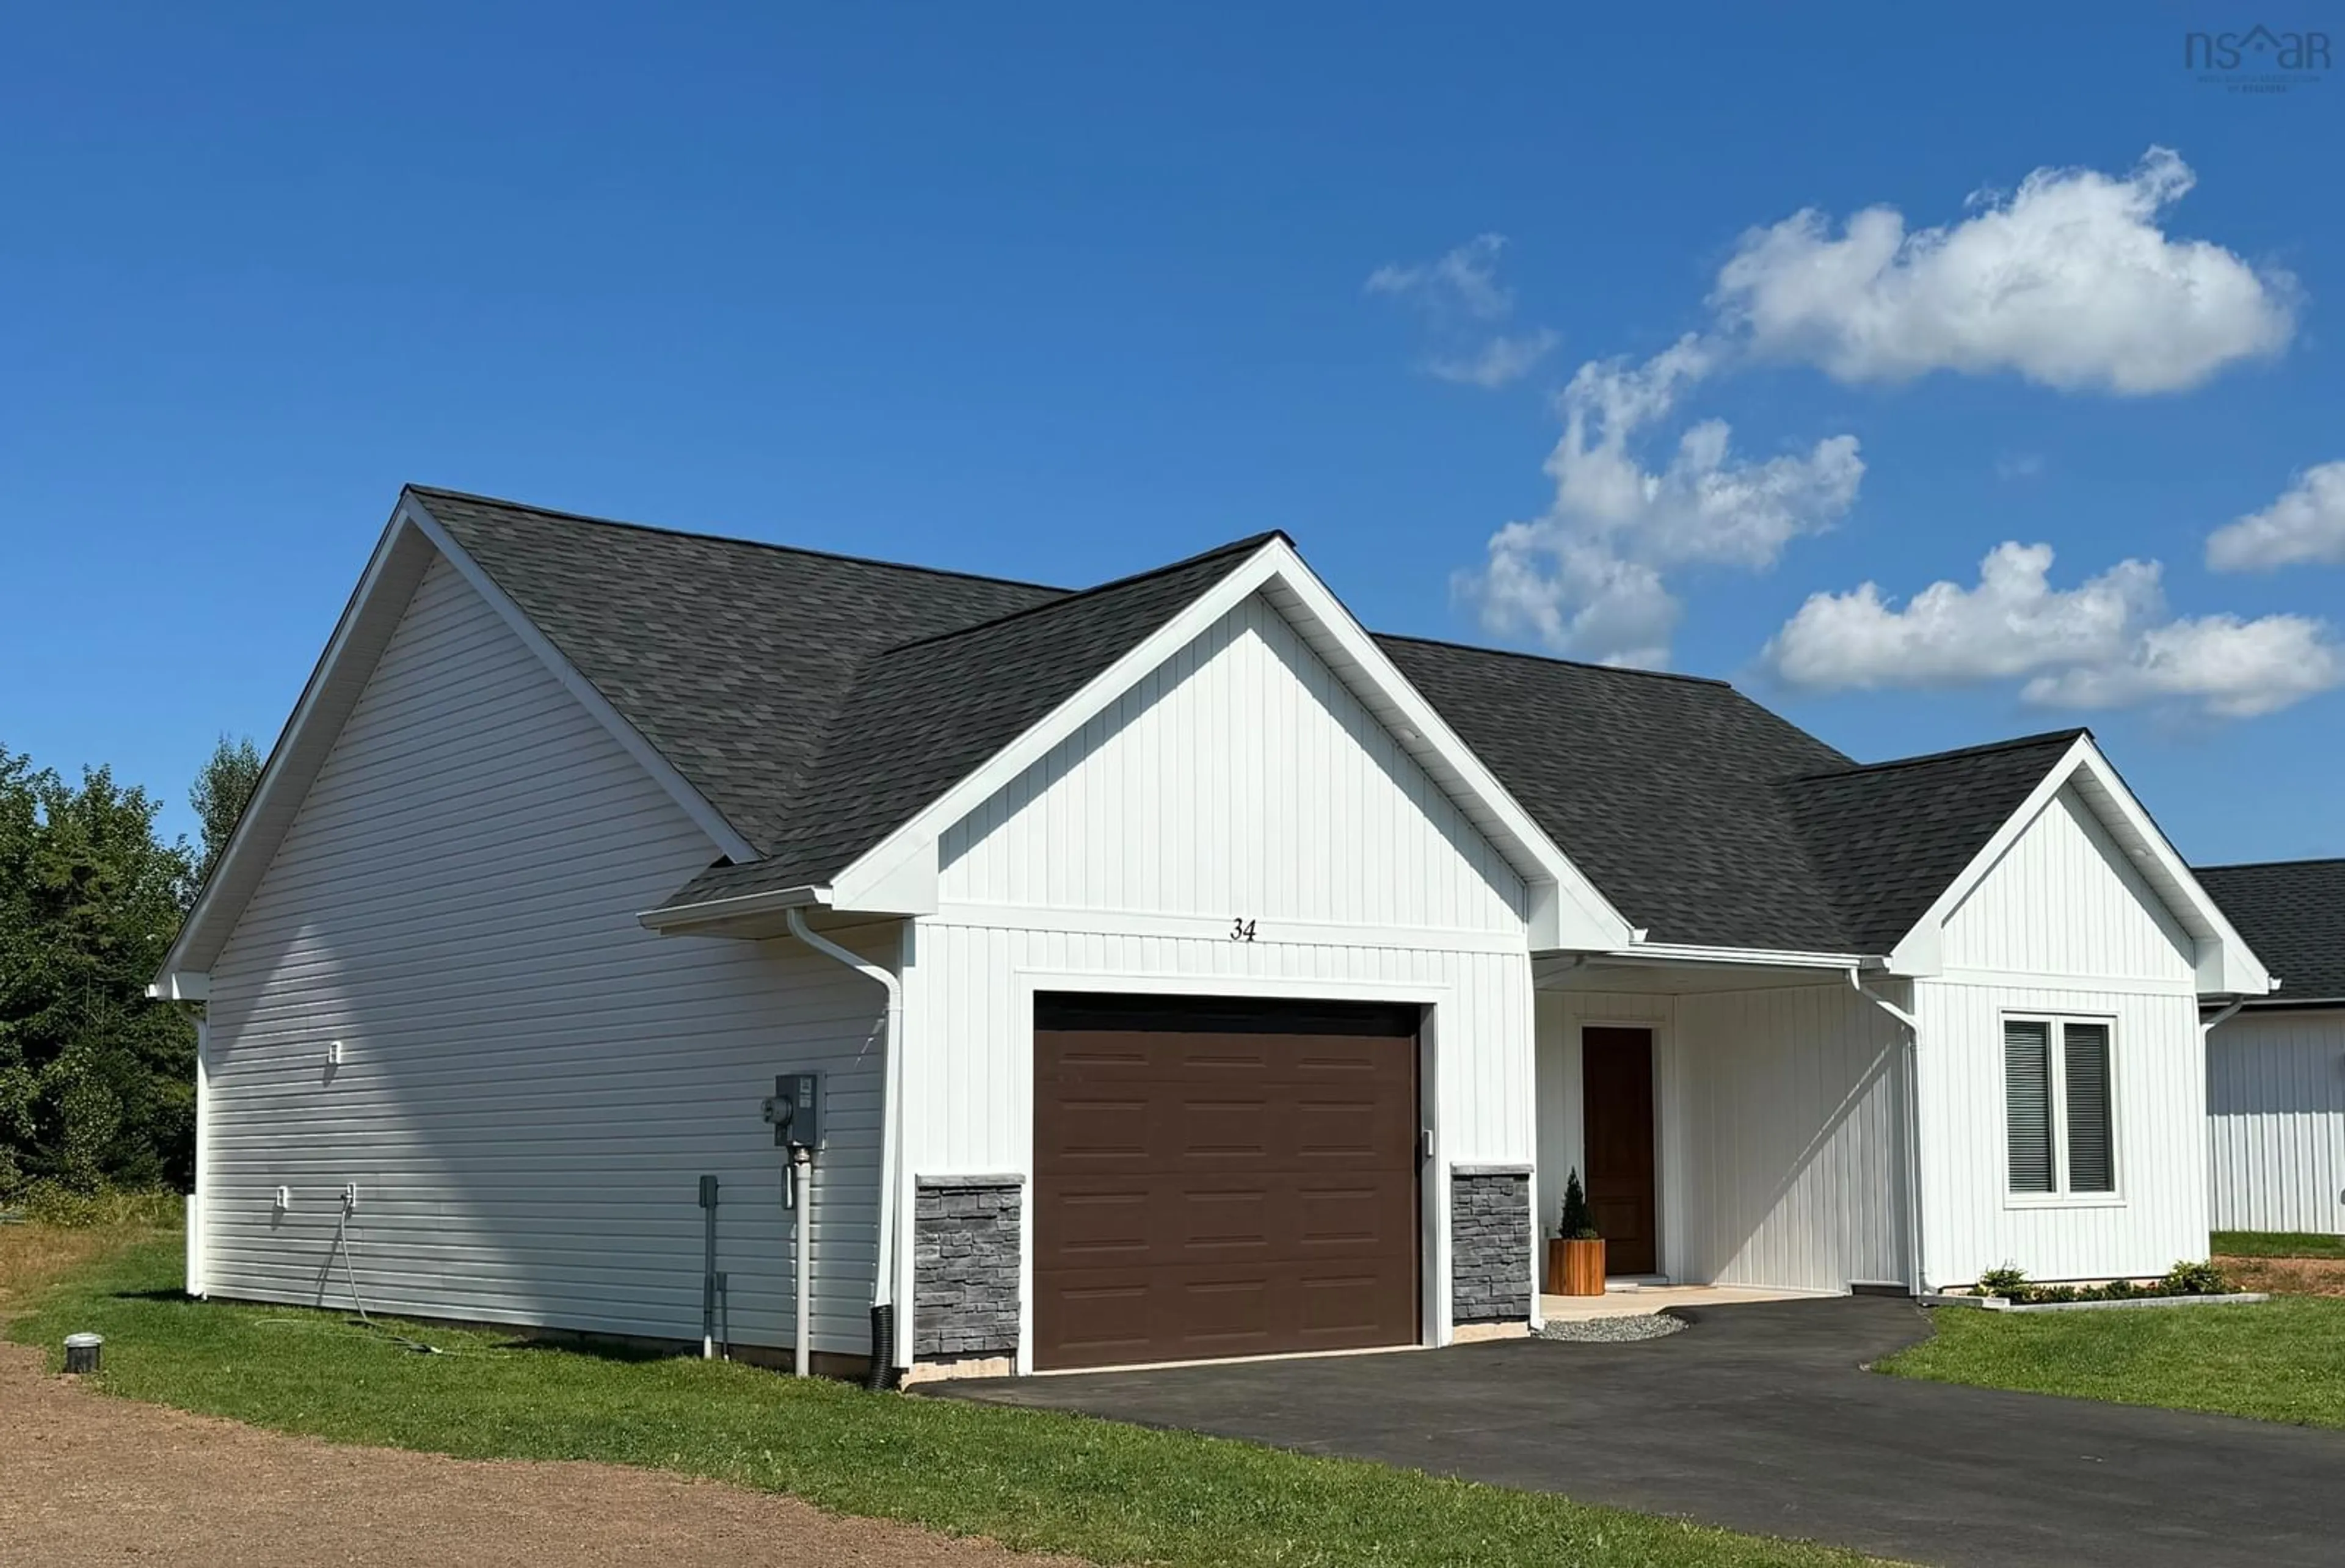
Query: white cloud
[
  {"x": 2105, "y": 644},
  {"x": 1500, "y": 362},
  {"x": 1465, "y": 279},
  {"x": 1463, "y": 303},
  {"x": 1586, "y": 576},
  {"x": 2070, "y": 282},
  {"x": 2307, "y": 524},
  {"x": 2230, "y": 668}
]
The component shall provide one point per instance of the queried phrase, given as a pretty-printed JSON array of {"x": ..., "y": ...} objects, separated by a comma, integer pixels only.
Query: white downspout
[
  {"x": 197, "y": 1284},
  {"x": 1913, "y": 1117},
  {"x": 891, "y": 1100}
]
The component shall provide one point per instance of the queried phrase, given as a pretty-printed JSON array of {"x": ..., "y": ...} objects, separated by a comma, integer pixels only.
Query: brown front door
[
  {"x": 1616, "y": 1076},
  {"x": 1221, "y": 1179}
]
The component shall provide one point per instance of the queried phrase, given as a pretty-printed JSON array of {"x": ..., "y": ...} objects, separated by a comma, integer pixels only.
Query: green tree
[
  {"x": 223, "y": 788},
  {"x": 97, "y": 1081}
]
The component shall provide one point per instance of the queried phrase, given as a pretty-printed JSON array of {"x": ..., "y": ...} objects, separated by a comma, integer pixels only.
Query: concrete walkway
[{"x": 1758, "y": 1418}]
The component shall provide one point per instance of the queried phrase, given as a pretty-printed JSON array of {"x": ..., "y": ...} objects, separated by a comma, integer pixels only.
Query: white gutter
[
  {"x": 1667, "y": 953},
  {"x": 1913, "y": 1116},
  {"x": 891, "y": 1100},
  {"x": 740, "y": 905},
  {"x": 2206, "y": 1025}
]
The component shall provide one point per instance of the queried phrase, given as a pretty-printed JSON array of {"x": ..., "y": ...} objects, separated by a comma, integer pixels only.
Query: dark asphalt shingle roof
[
  {"x": 819, "y": 701},
  {"x": 1712, "y": 822},
  {"x": 729, "y": 656},
  {"x": 2292, "y": 913},
  {"x": 1886, "y": 840},
  {"x": 919, "y": 718}
]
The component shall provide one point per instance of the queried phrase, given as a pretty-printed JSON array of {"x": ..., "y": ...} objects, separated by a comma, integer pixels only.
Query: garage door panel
[
  {"x": 1203, "y": 1193},
  {"x": 1174, "y": 1314}
]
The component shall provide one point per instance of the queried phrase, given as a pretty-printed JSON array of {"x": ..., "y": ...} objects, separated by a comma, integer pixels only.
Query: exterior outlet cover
[{"x": 284, "y": 1199}]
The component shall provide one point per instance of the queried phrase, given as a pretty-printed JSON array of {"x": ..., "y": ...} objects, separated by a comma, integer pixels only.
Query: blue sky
[{"x": 1063, "y": 292}]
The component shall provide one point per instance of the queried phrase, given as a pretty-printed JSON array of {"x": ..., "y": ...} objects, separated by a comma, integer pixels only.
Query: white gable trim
[
  {"x": 1567, "y": 910},
  {"x": 2226, "y": 966},
  {"x": 679, "y": 788},
  {"x": 411, "y": 541}
]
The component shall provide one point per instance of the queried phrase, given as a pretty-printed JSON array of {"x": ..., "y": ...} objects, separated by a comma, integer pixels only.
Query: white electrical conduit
[
  {"x": 1912, "y": 1119},
  {"x": 883, "y": 1289}
]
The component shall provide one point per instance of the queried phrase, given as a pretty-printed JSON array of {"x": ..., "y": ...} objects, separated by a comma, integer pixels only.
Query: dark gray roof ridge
[
  {"x": 1985, "y": 748},
  {"x": 477, "y": 499},
  {"x": 1245, "y": 546},
  {"x": 1551, "y": 659}
]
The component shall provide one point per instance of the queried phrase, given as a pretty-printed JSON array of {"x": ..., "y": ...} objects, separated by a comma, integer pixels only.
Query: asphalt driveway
[{"x": 1760, "y": 1418}]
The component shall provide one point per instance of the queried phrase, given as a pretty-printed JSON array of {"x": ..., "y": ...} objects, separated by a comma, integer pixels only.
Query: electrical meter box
[{"x": 795, "y": 1110}]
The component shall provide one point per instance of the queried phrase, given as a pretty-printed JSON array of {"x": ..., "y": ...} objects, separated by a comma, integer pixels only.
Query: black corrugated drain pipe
[{"x": 882, "y": 1376}]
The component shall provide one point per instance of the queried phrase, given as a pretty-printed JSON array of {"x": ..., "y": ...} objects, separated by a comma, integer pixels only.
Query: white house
[
  {"x": 1190, "y": 972},
  {"x": 2276, "y": 1066}
]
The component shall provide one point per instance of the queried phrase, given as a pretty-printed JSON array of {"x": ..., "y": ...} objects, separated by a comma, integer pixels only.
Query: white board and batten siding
[
  {"x": 1778, "y": 1142},
  {"x": 531, "y": 1084},
  {"x": 2063, "y": 925},
  {"x": 1240, "y": 780},
  {"x": 2276, "y": 1120},
  {"x": 1789, "y": 1170}
]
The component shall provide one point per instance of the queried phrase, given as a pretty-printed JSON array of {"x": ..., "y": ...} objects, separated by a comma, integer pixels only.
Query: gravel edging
[{"x": 1617, "y": 1330}]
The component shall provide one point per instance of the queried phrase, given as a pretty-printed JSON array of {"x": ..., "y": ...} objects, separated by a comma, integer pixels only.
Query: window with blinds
[
  {"x": 2059, "y": 1115},
  {"x": 2091, "y": 1154}
]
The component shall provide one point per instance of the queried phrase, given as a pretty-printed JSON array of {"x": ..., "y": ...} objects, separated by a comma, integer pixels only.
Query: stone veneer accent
[
  {"x": 1490, "y": 1243},
  {"x": 965, "y": 1265}
]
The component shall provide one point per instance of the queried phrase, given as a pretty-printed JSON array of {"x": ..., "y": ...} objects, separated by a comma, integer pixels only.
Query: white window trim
[{"x": 2060, "y": 1197}]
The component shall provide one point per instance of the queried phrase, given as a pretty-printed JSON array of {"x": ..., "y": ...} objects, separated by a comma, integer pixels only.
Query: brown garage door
[{"x": 1221, "y": 1179}]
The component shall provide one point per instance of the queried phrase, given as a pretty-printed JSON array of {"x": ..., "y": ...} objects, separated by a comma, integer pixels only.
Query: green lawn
[
  {"x": 1032, "y": 1480},
  {"x": 2276, "y": 1244},
  {"x": 2281, "y": 1361}
]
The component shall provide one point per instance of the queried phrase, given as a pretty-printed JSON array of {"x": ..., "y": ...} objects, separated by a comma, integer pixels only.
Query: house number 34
[{"x": 1241, "y": 930}]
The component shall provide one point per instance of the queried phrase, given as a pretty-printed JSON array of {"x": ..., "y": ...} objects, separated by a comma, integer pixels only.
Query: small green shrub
[
  {"x": 1576, "y": 1223},
  {"x": 2195, "y": 1279},
  {"x": 2006, "y": 1282},
  {"x": 2182, "y": 1279}
]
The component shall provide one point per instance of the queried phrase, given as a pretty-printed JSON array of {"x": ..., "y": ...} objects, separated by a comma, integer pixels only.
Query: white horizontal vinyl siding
[
  {"x": 532, "y": 1084},
  {"x": 2159, "y": 1213},
  {"x": 2275, "y": 1120},
  {"x": 1239, "y": 780},
  {"x": 1781, "y": 1147},
  {"x": 2063, "y": 900}
]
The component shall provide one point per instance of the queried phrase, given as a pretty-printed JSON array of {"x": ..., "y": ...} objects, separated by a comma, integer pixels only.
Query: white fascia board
[
  {"x": 712, "y": 911},
  {"x": 695, "y": 805},
  {"x": 400, "y": 558},
  {"x": 181, "y": 986},
  {"x": 2224, "y": 963},
  {"x": 2227, "y": 967},
  {"x": 1567, "y": 909}
]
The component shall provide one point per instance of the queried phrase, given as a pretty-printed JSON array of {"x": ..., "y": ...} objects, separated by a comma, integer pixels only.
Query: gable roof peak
[
  {"x": 2016, "y": 744},
  {"x": 1236, "y": 547}
]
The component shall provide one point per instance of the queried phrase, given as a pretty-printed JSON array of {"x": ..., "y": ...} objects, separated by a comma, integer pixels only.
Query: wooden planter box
[{"x": 1574, "y": 1268}]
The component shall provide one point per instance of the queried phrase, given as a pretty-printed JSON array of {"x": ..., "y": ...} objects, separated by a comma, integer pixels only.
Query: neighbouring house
[
  {"x": 2276, "y": 1064},
  {"x": 1191, "y": 972}
]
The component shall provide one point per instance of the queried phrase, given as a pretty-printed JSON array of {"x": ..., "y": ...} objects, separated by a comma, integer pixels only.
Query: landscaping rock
[{"x": 1615, "y": 1330}]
